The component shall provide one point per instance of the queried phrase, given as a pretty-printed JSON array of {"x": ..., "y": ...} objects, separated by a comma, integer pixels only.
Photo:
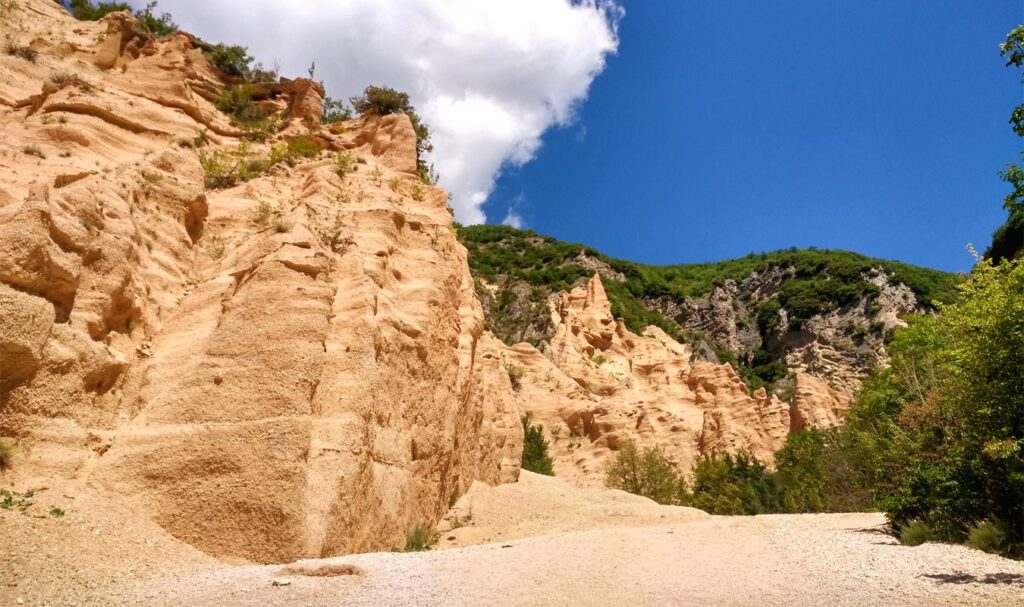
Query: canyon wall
[{"x": 294, "y": 366}]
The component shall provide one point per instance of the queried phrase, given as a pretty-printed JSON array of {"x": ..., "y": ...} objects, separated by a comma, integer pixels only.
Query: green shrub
[
  {"x": 733, "y": 484},
  {"x": 5, "y": 455},
  {"x": 649, "y": 473},
  {"x": 342, "y": 164},
  {"x": 219, "y": 169},
  {"x": 915, "y": 533},
  {"x": 237, "y": 102},
  {"x": 261, "y": 214},
  {"x": 163, "y": 25},
  {"x": 535, "y": 449},
  {"x": 303, "y": 146},
  {"x": 419, "y": 539},
  {"x": 988, "y": 536}
]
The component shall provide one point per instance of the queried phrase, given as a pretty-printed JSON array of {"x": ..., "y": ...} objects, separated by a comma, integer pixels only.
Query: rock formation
[
  {"x": 291, "y": 367},
  {"x": 599, "y": 385}
]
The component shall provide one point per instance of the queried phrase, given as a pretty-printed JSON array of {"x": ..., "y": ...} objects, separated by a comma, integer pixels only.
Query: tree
[
  {"x": 944, "y": 426},
  {"x": 1008, "y": 239},
  {"x": 535, "y": 449},
  {"x": 649, "y": 473}
]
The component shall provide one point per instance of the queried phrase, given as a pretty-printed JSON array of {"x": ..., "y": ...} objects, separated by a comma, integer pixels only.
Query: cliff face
[
  {"x": 839, "y": 347},
  {"x": 599, "y": 385},
  {"x": 291, "y": 367}
]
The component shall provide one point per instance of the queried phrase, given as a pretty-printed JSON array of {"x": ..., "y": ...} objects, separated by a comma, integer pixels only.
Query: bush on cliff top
[
  {"x": 162, "y": 25},
  {"x": 385, "y": 100}
]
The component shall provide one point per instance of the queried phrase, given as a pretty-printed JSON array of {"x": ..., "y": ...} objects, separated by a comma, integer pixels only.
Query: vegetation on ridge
[
  {"x": 527, "y": 269},
  {"x": 162, "y": 25}
]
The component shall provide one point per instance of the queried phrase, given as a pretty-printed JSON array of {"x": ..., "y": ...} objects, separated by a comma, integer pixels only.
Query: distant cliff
[{"x": 825, "y": 313}]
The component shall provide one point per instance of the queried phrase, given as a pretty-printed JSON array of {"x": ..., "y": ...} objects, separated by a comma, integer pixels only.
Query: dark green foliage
[
  {"x": 5, "y": 455},
  {"x": 535, "y": 449},
  {"x": 729, "y": 484},
  {"x": 817, "y": 471},
  {"x": 382, "y": 100},
  {"x": 649, "y": 473},
  {"x": 84, "y": 10},
  {"x": 162, "y": 25},
  {"x": 820, "y": 291},
  {"x": 232, "y": 60},
  {"x": 768, "y": 316},
  {"x": 939, "y": 434},
  {"x": 385, "y": 100},
  {"x": 1008, "y": 239},
  {"x": 763, "y": 370},
  {"x": 237, "y": 102},
  {"x": 1012, "y": 49}
]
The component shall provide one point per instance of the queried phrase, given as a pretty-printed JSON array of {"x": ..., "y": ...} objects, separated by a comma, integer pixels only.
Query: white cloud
[
  {"x": 514, "y": 219},
  {"x": 488, "y": 76}
]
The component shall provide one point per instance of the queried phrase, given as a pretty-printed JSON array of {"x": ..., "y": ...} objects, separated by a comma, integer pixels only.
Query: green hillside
[{"x": 823, "y": 280}]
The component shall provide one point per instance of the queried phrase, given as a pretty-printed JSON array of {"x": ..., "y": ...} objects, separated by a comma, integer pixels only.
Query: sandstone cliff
[{"x": 291, "y": 367}]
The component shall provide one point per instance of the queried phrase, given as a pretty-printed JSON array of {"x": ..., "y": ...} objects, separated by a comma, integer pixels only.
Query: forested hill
[{"x": 758, "y": 312}]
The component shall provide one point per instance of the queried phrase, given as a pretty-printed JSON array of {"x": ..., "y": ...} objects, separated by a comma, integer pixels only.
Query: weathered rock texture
[
  {"x": 840, "y": 347},
  {"x": 599, "y": 385},
  {"x": 292, "y": 367}
]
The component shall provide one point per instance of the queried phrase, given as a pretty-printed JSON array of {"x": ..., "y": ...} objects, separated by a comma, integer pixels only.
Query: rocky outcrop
[
  {"x": 599, "y": 385},
  {"x": 840, "y": 347},
  {"x": 293, "y": 367},
  {"x": 815, "y": 404}
]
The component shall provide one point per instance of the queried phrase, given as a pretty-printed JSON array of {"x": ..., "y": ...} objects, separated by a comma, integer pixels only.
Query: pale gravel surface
[
  {"x": 553, "y": 545},
  {"x": 758, "y": 561}
]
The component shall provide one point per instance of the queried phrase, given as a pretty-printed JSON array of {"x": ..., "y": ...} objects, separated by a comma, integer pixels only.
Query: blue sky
[{"x": 722, "y": 128}]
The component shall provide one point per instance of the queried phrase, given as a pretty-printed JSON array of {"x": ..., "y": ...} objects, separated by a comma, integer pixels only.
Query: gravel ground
[{"x": 759, "y": 561}]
